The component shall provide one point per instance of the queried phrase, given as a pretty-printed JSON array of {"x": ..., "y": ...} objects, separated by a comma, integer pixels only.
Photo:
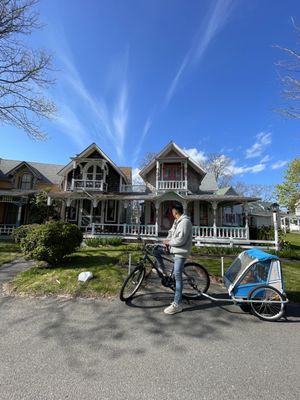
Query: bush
[
  {"x": 19, "y": 233},
  {"x": 109, "y": 241},
  {"x": 52, "y": 241}
]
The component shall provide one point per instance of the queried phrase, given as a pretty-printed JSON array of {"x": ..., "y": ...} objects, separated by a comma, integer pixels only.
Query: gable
[{"x": 92, "y": 151}]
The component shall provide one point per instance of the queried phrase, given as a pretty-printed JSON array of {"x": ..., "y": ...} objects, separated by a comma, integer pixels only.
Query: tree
[
  {"x": 290, "y": 80},
  {"x": 24, "y": 72},
  {"x": 148, "y": 157},
  {"x": 288, "y": 192},
  {"x": 265, "y": 192},
  {"x": 220, "y": 165}
]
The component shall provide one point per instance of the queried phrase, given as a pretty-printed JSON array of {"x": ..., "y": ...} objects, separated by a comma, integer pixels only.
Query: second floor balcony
[
  {"x": 172, "y": 185},
  {"x": 85, "y": 184}
]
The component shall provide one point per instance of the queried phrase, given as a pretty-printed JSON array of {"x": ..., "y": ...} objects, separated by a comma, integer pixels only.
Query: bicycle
[{"x": 195, "y": 278}]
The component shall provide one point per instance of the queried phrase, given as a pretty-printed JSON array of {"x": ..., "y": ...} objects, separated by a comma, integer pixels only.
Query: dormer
[
  {"x": 24, "y": 176},
  {"x": 92, "y": 170},
  {"x": 173, "y": 170}
]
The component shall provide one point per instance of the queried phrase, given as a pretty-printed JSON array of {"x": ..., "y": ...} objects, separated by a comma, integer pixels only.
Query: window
[
  {"x": 94, "y": 173},
  {"x": 26, "y": 182}
]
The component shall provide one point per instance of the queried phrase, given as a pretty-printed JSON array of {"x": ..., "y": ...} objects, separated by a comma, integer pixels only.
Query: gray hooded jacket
[{"x": 180, "y": 237}]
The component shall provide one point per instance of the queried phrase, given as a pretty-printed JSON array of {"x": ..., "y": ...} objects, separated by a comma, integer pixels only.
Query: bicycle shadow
[{"x": 153, "y": 299}]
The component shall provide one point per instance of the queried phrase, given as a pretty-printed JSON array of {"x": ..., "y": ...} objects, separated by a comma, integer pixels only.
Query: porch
[{"x": 152, "y": 231}]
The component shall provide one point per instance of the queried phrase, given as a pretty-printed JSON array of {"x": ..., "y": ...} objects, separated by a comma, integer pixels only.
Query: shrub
[
  {"x": 19, "y": 233},
  {"x": 109, "y": 241},
  {"x": 52, "y": 241}
]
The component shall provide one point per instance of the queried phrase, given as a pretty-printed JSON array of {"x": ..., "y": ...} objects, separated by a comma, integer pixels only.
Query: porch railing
[
  {"x": 172, "y": 185},
  {"x": 121, "y": 229},
  {"x": 133, "y": 188},
  {"x": 82, "y": 184},
  {"x": 220, "y": 232},
  {"x": 6, "y": 229}
]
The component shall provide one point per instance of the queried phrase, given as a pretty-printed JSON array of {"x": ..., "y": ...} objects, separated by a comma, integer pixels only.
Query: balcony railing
[
  {"x": 172, "y": 185},
  {"x": 81, "y": 184},
  {"x": 133, "y": 188}
]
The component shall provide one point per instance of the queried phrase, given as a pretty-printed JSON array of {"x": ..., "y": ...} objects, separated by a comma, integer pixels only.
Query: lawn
[
  {"x": 8, "y": 252},
  {"x": 109, "y": 267}
]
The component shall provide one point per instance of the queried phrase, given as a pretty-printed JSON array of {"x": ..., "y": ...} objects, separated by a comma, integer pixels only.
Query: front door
[
  {"x": 167, "y": 218},
  {"x": 172, "y": 172}
]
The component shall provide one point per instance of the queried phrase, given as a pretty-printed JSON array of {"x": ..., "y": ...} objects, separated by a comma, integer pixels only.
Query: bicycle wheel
[
  {"x": 132, "y": 283},
  {"x": 195, "y": 280},
  {"x": 271, "y": 307}
]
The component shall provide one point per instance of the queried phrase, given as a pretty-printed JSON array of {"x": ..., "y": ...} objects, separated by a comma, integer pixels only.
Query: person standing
[{"x": 180, "y": 242}]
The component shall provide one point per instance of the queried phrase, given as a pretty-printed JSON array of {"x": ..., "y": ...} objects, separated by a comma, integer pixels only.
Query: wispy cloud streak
[
  {"x": 215, "y": 21},
  {"x": 263, "y": 139}
]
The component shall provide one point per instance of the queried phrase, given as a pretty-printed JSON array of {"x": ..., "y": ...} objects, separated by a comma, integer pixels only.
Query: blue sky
[{"x": 134, "y": 75}]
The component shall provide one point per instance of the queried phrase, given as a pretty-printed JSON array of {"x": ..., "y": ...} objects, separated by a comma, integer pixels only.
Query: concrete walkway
[{"x": 9, "y": 270}]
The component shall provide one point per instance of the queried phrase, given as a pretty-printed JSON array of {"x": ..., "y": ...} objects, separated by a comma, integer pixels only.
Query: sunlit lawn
[
  {"x": 8, "y": 252},
  {"x": 109, "y": 267}
]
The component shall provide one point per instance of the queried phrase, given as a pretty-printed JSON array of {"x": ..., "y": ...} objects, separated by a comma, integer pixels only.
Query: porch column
[
  {"x": 94, "y": 206},
  {"x": 68, "y": 205},
  {"x": 156, "y": 218},
  {"x": 73, "y": 174},
  {"x": 184, "y": 205},
  {"x": 185, "y": 174},
  {"x": 80, "y": 212},
  {"x": 246, "y": 220},
  {"x": 19, "y": 215},
  {"x": 102, "y": 211},
  {"x": 275, "y": 221},
  {"x": 215, "y": 207},
  {"x": 157, "y": 174},
  {"x": 63, "y": 211},
  {"x": 196, "y": 213}
]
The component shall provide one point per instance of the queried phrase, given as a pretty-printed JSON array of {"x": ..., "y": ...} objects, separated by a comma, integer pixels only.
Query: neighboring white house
[
  {"x": 291, "y": 222},
  {"x": 260, "y": 214}
]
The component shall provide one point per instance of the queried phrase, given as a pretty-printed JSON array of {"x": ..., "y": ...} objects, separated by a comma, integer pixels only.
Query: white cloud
[
  {"x": 196, "y": 155},
  {"x": 215, "y": 21},
  {"x": 136, "y": 179},
  {"x": 263, "y": 139},
  {"x": 242, "y": 170},
  {"x": 265, "y": 159},
  {"x": 109, "y": 121},
  {"x": 120, "y": 119},
  {"x": 279, "y": 164},
  {"x": 72, "y": 126}
]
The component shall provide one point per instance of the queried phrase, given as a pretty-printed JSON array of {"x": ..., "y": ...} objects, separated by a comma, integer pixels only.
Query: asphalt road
[{"x": 104, "y": 349}]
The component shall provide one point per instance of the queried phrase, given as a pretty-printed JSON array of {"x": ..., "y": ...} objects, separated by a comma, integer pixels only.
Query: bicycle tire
[
  {"x": 195, "y": 280},
  {"x": 267, "y": 311},
  {"x": 132, "y": 283}
]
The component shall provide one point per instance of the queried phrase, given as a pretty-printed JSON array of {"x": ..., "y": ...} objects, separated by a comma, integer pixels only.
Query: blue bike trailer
[{"x": 250, "y": 269}]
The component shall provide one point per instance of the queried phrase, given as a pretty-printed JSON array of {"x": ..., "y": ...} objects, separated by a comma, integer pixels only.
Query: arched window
[
  {"x": 26, "y": 181},
  {"x": 94, "y": 173}
]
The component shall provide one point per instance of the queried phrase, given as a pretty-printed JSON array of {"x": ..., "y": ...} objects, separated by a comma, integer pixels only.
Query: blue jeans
[{"x": 178, "y": 268}]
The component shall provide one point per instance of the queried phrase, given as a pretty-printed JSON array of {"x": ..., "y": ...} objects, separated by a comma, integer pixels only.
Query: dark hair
[{"x": 178, "y": 207}]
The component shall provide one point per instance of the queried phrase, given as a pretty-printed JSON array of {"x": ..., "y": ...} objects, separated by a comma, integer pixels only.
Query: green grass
[
  {"x": 109, "y": 267},
  {"x": 8, "y": 252}
]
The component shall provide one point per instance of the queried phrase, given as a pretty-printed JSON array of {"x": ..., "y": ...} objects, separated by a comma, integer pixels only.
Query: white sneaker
[{"x": 173, "y": 309}]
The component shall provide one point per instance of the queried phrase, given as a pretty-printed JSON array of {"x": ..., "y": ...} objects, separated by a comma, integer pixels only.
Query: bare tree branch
[{"x": 24, "y": 72}]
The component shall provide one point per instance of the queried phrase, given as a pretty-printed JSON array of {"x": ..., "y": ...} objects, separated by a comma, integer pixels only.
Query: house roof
[
  {"x": 128, "y": 172},
  {"x": 172, "y": 146},
  {"x": 85, "y": 152},
  {"x": 209, "y": 183},
  {"x": 47, "y": 173},
  {"x": 226, "y": 190},
  {"x": 262, "y": 208}
]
